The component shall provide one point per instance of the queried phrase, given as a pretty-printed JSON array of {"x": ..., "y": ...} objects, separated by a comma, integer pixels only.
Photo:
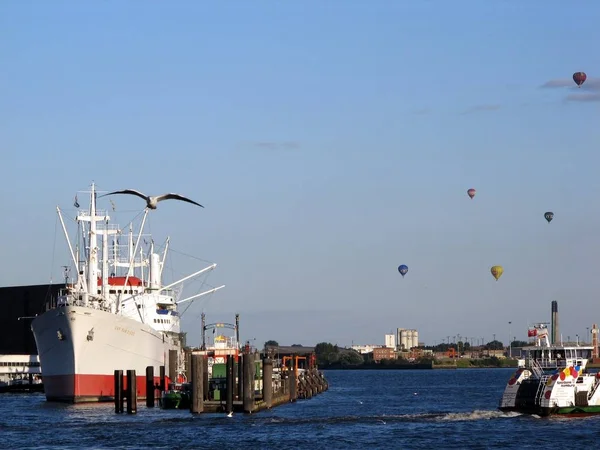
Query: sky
[{"x": 329, "y": 142}]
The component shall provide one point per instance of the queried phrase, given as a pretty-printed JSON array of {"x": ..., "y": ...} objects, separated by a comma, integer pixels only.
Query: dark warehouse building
[{"x": 19, "y": 304}]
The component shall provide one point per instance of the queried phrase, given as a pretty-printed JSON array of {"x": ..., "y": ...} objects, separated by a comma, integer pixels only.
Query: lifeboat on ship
[{"x": 120, "y": 281}]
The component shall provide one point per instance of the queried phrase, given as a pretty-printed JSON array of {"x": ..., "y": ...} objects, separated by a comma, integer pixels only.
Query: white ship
[
  {"x": 553, "y": 379},
  {"x": 115, "y": 315}
]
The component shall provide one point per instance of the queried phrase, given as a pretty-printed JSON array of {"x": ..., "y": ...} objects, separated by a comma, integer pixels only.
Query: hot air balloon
[
  {"x": 471, "y": 192},
  {"x": 497, "y": 272},
  {"x": 579, "y": 78},
  {"x": 549, "y": 216},
  {"x": 403, "y": 269}
]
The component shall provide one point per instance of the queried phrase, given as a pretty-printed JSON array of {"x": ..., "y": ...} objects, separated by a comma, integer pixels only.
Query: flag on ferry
[
  {"x": 76, "y": 204},
  {"x": 531, "y": 333}
]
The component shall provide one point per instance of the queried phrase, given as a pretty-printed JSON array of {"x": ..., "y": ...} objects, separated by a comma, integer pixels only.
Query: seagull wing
[
  {"x": 128, "y": 191},
  {"x": 176, "y": 197}
]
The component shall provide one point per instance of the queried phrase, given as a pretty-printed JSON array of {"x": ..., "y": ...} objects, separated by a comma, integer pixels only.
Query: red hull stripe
[{"x": 89, "y": 388}]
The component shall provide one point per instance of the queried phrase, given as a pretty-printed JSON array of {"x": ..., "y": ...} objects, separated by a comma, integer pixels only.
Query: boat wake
[
  {"x": 477, "y": 415},
  {"x": 387, "y": 419}
]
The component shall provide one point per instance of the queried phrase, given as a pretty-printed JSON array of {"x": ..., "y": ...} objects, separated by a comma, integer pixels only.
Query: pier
[
  {"x": 249, "y": 384},
  {"x": 263, "y": 386},
  {"x": 222, "y": 377}
]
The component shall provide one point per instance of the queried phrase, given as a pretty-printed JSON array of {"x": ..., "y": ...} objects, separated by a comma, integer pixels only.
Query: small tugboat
[
  {"x": 552, "y": 380},
  {"x": 178, "y": 396}
]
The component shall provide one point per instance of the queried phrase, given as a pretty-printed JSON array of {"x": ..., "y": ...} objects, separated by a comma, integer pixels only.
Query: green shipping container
[
  {"x": 219, "y": 370},
  {"x": 257, "y": 370}
]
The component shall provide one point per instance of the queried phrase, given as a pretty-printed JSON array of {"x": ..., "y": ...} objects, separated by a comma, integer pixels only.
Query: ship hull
[
  {"x": 80, "y": 348},
  {"x": 567, "y": 411}
]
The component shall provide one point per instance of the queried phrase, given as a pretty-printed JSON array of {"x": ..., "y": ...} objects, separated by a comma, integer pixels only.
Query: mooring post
[
  {"x": 267, "y": 379},
  {"x": 240, "y": 377},
  {"x": 229, "y": 374},
  {"x": 248, "y": 383},
  {"x": 131, "y": 392},
  {"x": 205, "y": 385},
  {"x": 197, "y": 372},
  {"x": 293, "y": 382},
  {"x": 234, "y": 372},
  {"x": 150, "y": 386},
  {"x": 188, "y": 365},
  {"x": 162, "y": 378},
  {"x": 173, "y": 366},
  {"x": 283, "y": 379},
  {"x": 118, "y": 391}
]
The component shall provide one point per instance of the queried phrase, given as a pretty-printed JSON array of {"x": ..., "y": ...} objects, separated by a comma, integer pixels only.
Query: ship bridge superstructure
[
  {"x": 115, "y": 275},
  {"x": 543, "y": 356}
]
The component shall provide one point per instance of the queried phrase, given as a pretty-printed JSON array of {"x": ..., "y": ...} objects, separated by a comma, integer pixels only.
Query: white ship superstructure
[{"x": 116, "y": 314}]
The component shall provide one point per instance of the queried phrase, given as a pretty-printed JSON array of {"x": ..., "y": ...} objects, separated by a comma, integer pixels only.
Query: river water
[{"x": 388, "y": 409}]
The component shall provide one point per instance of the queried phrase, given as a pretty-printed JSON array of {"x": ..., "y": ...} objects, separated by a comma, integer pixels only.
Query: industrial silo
[
  {"x": 415, "y": 340},
  {"x": 404, "y": 340}
]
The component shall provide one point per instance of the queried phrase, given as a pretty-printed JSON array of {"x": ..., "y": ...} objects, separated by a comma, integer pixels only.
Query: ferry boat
[
  {"x": 552, "y": 380},
  {"x": 116, "y": 315}
]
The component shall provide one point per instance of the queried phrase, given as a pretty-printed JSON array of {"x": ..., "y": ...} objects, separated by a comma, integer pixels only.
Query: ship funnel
[
  {"x": 154, "y": 271},
  {"x": 554, "y": 336}
]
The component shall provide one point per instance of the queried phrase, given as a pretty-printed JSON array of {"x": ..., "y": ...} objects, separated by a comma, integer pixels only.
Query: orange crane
[{"x": 291, "y": 358}]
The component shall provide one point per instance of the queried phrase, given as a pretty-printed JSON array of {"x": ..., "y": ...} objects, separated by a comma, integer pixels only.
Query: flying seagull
[{"x": 151, "y": 201}]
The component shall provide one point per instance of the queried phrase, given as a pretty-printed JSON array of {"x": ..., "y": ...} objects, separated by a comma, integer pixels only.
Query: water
[{"x": 420, "y": 409}]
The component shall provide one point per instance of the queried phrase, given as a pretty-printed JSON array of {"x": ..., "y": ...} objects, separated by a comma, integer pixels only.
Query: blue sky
[{"x": 330, "y": 142}]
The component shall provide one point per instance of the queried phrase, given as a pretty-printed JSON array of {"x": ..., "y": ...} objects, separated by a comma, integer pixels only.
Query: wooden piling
[
  {"x": 229, "y": 374},
  {"x": 240, "y": 377},
  {"x": 131, "y": 392},
  {"x": 173, "y": 366},
  {"x": 267, "y": 387},
  {"x": 150, "y": 387},
  {"x": 197, "y": 377},
  {"x": 162, "y": 378},
  {"x": 205, "y": 385},
  {"x": 188, "y": 365},
  {"x": 248, "y": 393},
  {"x": 283, "y": 378},
  {"x": 292, "y": 380},
  {"x": 234, "y": 369},
  {"x": 316, "y": 381},
  {"x": 118, "y": 391}
]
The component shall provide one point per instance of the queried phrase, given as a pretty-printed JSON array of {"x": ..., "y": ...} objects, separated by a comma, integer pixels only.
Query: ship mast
[{"x": 93, "y": 253}]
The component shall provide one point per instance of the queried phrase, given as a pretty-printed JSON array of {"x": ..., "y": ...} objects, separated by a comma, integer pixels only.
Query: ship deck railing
[
  {"x": 548, "y": 364},
  {"x": 69, "y": 301}
]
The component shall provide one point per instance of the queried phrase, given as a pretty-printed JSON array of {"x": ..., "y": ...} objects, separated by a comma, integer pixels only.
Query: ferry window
[{"x": 112, "y": 291}]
